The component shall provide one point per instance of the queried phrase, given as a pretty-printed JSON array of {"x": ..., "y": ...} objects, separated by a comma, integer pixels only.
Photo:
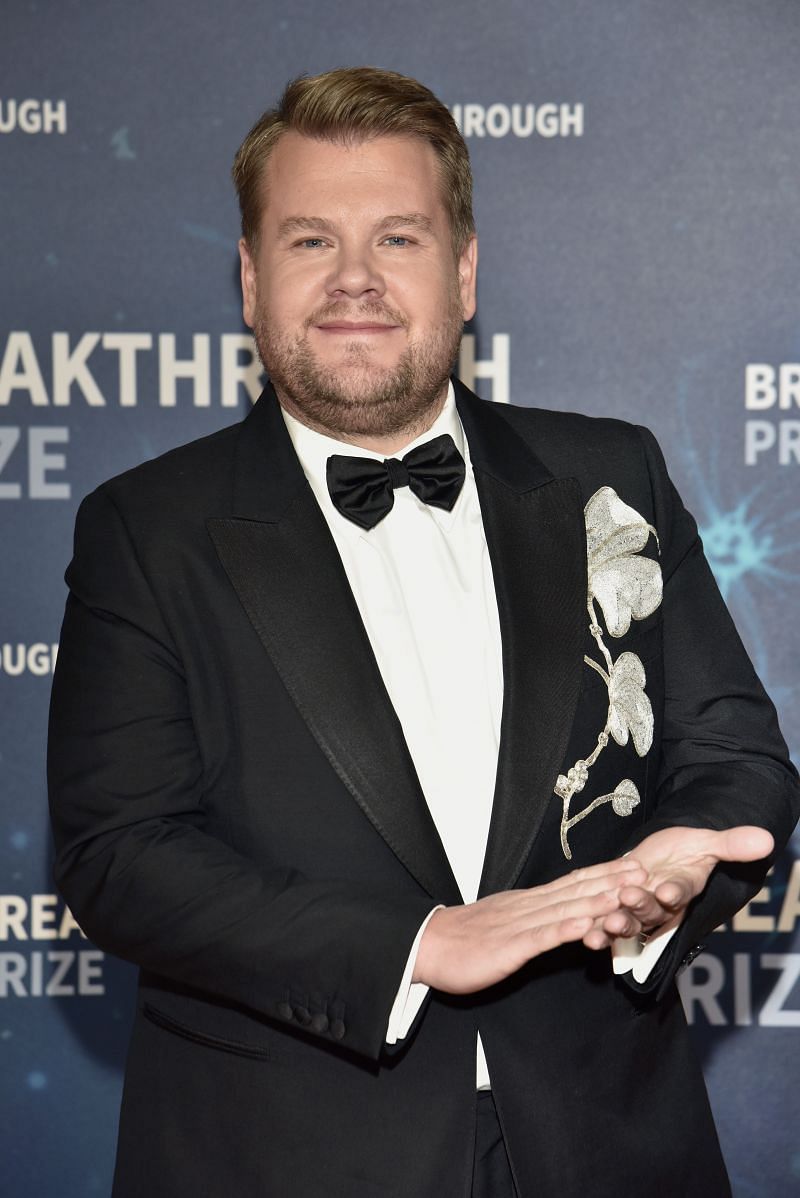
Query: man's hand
[
  {"x": 465, "y": 949},
  {"x": 678, "y": 862}
]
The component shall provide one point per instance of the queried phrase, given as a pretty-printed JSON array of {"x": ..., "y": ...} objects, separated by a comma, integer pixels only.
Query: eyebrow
[
  {"x": 304, "y": 224},
  {"x": 414, "y": 220},
  {"x": 318, "y": 224}
]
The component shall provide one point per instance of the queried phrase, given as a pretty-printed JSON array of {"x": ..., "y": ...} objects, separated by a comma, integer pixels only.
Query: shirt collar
[{"x": 313, "y": 449}]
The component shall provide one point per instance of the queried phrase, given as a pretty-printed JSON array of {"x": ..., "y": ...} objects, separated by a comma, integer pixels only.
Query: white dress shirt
[{"x": 423, "y": 584}]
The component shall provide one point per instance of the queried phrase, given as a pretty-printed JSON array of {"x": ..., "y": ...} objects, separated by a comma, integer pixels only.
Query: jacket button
[
  {"x": 692, "y": 953},
  {"x": 319, "y": 1022},
  {"x": 337, "y": 1029},
  {"x": 303, "y": 1016},
  {"x": 285, "y": 1011}
]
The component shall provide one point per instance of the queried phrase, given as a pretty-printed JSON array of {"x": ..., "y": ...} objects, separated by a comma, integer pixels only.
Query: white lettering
[
  {"x": 495, "y": 368},
  {"x": 788, "y": 442},
  {"x": 696, "y": 989},
  {"x": 39, "y": 462},
  {"x": 29, "y": 116},
  {"x": 70, "y": 973},
  {"x": 33, "y": 116},
  {"x": 20, "y": 371},
  {"x": 127, "y": 346},
  {"x": 69, "y": 925},
  {"x": 473, "y": 120},
  {"x": 90, "y": 968},
  {"x": 8, "y": 115},
  {"x": 571, "y": 120},
  {"x": 41, "y": 914},
  {"x": 498, "y": 120},
  {"x": 744, "y": 921},
  {"x": 547, "y": 120},
  {"x": 14, "y": 668},
  {"x": 36, "y": 971},
  {"x": 43, "y": 917},
  {"x": 13, "y": 913},
  {"x": 762, "y": 392},
  {"x": 742, "y": 990},
  {"x": 759, "y": 435},
  {"x": 56, "y": 988},
  {"x": 522, "y": 127},
  {"x": 773, "y": 1013},
  {"x": 790, "y": 908},
  {"x": 233, "y": 372},
  {"x": 9, "y": 438},
  {"x": 13, "y": 968},
  {"x": 789, "y": 385},
  {"x": 196, "y": 368},
  {"x": 70, "y": 367},
  {"x": 759, "y": 386},
  {"x": 39, "y": 659},
  {"x": 54, "y": 116}
]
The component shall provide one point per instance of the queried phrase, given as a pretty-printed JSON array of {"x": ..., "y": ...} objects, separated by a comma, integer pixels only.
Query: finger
[
  {"x": 622, "y": 924},
  {"x": 592, "y": 887},
  {"x": 745, "y": 843},
  {"x": 675, "y": 893},
  {"x": 597, "y": 939},
  {"x": 536, "y": 941},
  {"x": 580, "y": 906},
  {"x": 604, "y": 875},
  {"x": 645, "y": 905}
]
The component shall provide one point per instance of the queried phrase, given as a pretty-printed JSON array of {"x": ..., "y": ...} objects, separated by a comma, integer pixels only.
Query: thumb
[{"x": 745, "y": 843}]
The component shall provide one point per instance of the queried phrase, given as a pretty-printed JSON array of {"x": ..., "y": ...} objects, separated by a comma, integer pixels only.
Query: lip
[{"x": 355, "y": 326}]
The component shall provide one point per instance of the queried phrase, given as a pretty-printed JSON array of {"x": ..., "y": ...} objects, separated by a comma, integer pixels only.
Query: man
[{"x": 328, "y": 676}]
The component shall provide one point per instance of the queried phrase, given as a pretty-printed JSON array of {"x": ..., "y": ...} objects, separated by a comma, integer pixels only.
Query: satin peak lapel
[
  {"x": 537, "y": 544},
  {"x": 281, "y": 559}
]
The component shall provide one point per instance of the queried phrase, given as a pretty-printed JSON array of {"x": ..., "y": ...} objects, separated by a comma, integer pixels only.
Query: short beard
[{"x": 365, "y": 402}]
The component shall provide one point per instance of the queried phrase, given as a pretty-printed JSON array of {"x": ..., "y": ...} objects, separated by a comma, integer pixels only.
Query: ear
[
  {"x": 468, "y": 276},
  {"x": 248, "y": 274}
]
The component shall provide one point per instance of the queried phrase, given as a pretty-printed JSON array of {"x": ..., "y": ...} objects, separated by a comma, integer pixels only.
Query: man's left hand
[{"x": 679, "y": 862}]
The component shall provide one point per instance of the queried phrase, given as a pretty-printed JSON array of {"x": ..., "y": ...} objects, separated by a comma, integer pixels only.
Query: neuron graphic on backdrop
[{"x": 751, "y": 539}]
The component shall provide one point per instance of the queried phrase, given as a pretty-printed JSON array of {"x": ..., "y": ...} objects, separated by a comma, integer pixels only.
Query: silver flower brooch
[{"x": 624, "y": 586}]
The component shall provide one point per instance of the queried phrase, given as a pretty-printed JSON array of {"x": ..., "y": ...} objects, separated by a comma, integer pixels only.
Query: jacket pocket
[{"x": 257, "y": 1052}]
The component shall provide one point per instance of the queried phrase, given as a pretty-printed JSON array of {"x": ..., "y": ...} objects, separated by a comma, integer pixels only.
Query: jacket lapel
[
  {"x": 281, "y": 559},
  {"x": 537, "y": 544}
]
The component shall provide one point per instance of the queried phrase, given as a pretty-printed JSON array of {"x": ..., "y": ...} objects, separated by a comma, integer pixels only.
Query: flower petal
[
  {"x": 625, "y": 797},
  {"x": 624, "y": 584},
  {"x": 629, "y": 707}
]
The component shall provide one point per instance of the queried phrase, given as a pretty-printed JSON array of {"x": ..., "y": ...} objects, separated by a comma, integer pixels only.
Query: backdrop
[{"x": 637, "y": 175}]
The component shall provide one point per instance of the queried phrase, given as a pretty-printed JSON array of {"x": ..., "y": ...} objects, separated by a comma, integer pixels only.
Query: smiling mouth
[{"x": 355, "y": 326}]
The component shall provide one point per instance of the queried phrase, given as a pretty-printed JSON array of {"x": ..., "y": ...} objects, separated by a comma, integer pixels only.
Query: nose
[{"x": 355, "y": 274}]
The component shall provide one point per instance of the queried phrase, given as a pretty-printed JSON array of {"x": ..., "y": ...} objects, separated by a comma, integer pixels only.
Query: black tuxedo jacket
[{"x": 236, "y": 811}]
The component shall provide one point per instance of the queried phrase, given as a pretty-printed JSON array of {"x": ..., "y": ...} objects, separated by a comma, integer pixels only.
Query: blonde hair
[{"x": 354, "y": 104}]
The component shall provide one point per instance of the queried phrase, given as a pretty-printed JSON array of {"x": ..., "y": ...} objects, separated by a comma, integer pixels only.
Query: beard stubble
[{"x": 360, "y": 398}]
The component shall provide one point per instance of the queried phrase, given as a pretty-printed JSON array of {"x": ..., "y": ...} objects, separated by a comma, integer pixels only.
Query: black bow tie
[{"x": 363, "y": 488}]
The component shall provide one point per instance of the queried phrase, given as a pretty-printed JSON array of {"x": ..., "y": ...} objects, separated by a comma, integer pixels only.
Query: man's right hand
[{"x": 465, "y": 949}]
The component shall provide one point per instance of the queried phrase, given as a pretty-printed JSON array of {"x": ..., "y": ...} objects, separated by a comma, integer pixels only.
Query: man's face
[{"x": 354, "y": 295}]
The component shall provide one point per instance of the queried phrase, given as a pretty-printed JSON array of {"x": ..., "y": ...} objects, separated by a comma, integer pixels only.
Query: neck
[{"x": 386, "y": 443}]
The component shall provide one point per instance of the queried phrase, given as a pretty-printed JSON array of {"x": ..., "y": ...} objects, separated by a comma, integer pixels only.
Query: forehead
[{"x": 310, "y": 176}]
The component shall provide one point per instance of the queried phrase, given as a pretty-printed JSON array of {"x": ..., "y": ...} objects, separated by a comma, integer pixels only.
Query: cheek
[
  {"x": 281, "y": 306},
  {"x": 424, "y": 296},
  {"x": 290, "y": 289}
]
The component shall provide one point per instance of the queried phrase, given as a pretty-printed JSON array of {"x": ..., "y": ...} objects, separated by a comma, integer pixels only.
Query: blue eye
[
  {"x": 398, "y": 240},
  {"x": 312, "y": 242}
]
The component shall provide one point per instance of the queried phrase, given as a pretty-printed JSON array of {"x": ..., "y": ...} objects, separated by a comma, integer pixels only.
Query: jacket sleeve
[
  {"x": 141, "y": 872},
  {"x": 723, "y": 759}
]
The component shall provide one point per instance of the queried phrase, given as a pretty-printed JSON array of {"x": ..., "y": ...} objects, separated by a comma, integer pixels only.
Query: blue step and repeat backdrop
[{"x": 637, "y": 173}]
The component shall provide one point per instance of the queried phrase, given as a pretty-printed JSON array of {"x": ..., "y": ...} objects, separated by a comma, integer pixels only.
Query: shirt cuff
[
  {"x": 631, "y": 956},
  {"x": 410, "y": 995}
]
